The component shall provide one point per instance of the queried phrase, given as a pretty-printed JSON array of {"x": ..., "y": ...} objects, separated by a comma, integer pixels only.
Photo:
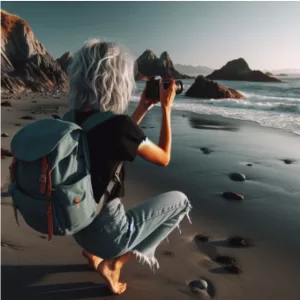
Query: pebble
[
  {"x": 206, "y": 150},
  {"x": 4, "y": 134},
  {"x": 232, "y": 196},
  {"x": 6, "y": 103},
  {"x": 288, "y": 161},
  {"x": 28, "y": 118},
  {"x": 238, "y": 241},
  {"x": 198, "y": 284},
  {"x": 225, "y": 260},
  {"x": 249, "y": 165},
  {"x": 237, "y": 177},
  {"x": 201, "y": 238},
  {"x": 17, "y": 124},
  {"x": 5, "y": 152}
]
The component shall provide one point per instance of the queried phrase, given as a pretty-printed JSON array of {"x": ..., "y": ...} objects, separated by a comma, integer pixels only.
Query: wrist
[{"x": 166, "y": 108}]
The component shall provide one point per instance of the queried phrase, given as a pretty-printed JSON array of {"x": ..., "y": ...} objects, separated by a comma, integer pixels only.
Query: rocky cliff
[
  {"x": 25, "y": 63},
  {"x": 151, "y": 65}
]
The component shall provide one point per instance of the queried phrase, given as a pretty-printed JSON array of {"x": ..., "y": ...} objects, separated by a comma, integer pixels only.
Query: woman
[{"x": 102, "y": 78}]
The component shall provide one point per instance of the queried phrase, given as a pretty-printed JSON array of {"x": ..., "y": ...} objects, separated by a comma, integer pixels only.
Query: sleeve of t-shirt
[{"x": 130, "y": 136}]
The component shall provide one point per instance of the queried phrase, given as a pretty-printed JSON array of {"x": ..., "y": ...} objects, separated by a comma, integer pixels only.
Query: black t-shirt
[{"x": 111, "y": 142}]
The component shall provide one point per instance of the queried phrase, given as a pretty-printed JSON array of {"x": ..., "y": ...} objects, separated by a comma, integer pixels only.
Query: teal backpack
[{"x": 50, "y": 175}]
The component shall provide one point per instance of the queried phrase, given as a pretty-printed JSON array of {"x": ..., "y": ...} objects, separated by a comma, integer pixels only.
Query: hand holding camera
[{"x": 161, "y": 90}]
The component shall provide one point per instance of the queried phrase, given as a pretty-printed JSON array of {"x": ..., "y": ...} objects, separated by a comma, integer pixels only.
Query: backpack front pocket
[{"x": 76, "y": 204}]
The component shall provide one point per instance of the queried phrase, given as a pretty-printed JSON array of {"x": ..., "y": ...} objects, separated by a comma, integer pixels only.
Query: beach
[{"x": 206, "y": 149}]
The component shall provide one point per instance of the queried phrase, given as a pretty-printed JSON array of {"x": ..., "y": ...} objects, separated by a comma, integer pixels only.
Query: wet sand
[{"x": 268, "y": 215}]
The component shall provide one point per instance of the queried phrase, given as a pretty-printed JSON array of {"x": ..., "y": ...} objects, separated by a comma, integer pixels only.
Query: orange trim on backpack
[
  {"x": 43, "y": 178},
  {"x": 50, "y": 220}
]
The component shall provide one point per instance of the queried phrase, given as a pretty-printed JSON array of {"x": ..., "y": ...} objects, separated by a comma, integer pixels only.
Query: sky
[{"x": 265, "y": 34}]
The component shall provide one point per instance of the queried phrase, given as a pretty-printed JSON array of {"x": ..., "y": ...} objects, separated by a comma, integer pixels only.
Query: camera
[{"x": 152, "y": 87}]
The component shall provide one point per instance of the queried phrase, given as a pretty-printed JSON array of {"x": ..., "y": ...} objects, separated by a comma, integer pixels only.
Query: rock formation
[
  {"x": 25, "y": 63},
  {"x": 208, "y": 89},
  {"x": 238, "y": 69},
  {"x": 150, "y": 65},
  {"x": 65, "y": 60}
]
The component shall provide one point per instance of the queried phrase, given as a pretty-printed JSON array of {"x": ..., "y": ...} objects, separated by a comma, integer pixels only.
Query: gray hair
[{"x": 101, "y": 77}]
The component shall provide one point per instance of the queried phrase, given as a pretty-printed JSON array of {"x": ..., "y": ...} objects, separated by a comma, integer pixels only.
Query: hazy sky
[{"x": 266, "y": 34}]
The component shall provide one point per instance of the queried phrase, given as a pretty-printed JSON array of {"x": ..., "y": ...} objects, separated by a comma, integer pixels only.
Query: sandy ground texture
[{"x": 206, "y": 151}]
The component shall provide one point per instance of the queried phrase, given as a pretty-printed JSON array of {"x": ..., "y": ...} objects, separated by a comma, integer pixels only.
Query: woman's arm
[
  {"x": 142, "y": 108},
  {"x": 160, "y": 154}
]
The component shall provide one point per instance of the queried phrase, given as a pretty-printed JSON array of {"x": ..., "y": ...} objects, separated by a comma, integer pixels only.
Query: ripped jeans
[{"x": 140, "y": 230}]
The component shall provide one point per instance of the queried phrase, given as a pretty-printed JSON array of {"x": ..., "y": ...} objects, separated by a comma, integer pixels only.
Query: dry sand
[{"x": 269, "y": 216}]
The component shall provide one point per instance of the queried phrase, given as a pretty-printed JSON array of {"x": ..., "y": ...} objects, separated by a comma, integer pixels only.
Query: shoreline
[{"x": 269, "y": 215}]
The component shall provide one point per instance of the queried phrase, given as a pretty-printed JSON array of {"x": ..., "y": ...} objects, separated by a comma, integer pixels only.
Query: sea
[{"x": 274, "y": 105}]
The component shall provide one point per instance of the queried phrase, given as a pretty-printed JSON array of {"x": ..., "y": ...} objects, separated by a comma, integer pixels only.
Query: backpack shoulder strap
[{"x": 96, "y": 119}]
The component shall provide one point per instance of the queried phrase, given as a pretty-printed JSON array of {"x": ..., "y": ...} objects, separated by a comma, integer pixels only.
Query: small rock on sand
[
  {"x": 197, "y": 285},
  {"x": 4, "y": 134},
  {"x": 238, "y": 241},
  {"x": 28, "y": 118},
  {"x": 249, "y": 165},
  {"x": 232, "y": 196},
  {"x": 201, "y": 238},
  {"x": 6, "y": 103},
  {"x": 225, "y": 260},
  {"x": 288, "y": 161},
  {"x": 206, "y": 150},
  {"x": 5, "y": 153},
  {"x": 237, "y": 177},
  {"x": 18, "y": 124}
]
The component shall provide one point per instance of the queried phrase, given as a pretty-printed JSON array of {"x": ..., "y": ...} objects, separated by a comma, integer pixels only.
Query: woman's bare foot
[
  {"x": 93, "y": 260},
  {"x": 110, "y": 269}
]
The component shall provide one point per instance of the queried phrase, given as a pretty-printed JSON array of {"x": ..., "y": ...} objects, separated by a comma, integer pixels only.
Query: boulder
[
  {"x": 205, "y": 88},
  {"x": 26, "y": 65},
  {"x": 238, "y": 69}
]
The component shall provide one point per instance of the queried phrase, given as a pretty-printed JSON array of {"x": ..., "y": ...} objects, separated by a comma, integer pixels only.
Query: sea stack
[{"x": 238, "y": 69}]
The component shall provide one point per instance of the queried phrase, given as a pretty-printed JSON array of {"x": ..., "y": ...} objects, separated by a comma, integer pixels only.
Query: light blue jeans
[{"x": 140, "y": 230}]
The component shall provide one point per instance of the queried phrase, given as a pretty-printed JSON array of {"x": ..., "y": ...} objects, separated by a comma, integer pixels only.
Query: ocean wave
[
  {"x": 253, "y": 96},
  {"x": 244, "y": 104}
]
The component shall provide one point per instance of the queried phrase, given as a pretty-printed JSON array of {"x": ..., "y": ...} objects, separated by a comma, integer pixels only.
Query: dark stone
[
  {"x": 206, "y": 150},
  {"x": 239, "y": 242},
  {"x": 5, "y": 153},
  {"x": 238, "y": 69},
  {"x": 198, "y": 284},
  {"x": 225, "y": 260},
  {"x": 18, "y": 124},
  {"x": 237, "y": 177},
  {"x": 288, "y": 161},
  {"x": 249, "y": 165},
  {"x": 34, "y": 101},
  {"x": 6, "y": 103},
  {"x": 208, "y": 89},
  {"x": 65, "y": 60},
  {"x": 232, "y": 196},
  {"x": 28, "y": 118},
  {"x": 4, "y": 134},
  {"x": 201, "y": 238}
]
